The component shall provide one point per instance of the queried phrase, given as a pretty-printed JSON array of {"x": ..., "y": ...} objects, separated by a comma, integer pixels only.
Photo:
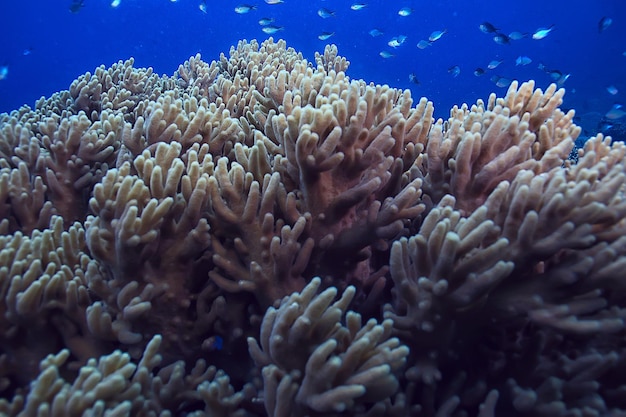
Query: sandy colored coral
[{"x": 265, "y": 236}]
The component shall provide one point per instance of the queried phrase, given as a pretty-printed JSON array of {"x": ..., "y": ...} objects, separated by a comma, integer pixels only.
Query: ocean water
[{"x": 45, "y": 46}]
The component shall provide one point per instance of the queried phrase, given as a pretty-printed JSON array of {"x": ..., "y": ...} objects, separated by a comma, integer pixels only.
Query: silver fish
[
  {"x": 542, "y": 32},
  {"x": 405, "y": 11},
  {"x": 358, "y": 6},
  {"x": 324, "y": 13},
  {"x": 494, "y": 64},
  {"x": 271, "y": 29},
  {"x": 436, "y": 35},
  {"x": 244, "y": 8}
]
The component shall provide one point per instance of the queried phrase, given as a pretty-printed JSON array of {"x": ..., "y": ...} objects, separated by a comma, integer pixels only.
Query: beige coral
[{"x": 144, "y": 213}]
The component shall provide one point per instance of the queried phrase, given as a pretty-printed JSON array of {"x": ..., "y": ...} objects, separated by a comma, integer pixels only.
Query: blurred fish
[
  {"x": 612, "y": 90},
  {"x": 413, "y": 78},
  {"x": 274, "y": 1},
  {"x": 479, "y": 71},
  {"x": 4, "y": 71},
  {"x": 523, "y": 60},
  {"x": 325, "y": 35},
  {"x": 266, "y": 21},
  {"x": 487, "y": 27},
  {"x": 405, "y": 11},
  {"x": 76, "y": 5},
  {"x": 397, "y": 41},
  {"x": 115, "y": 3},
  {"x": 324, "y": 13},
  {"x": 604, "y": 23},
  {"x": 454, "y": 70},
  {"x": 375, "y": 32},
  {"x": 27, "y": 51},
  {"x": 501, "y": 38},
  {"x": 615, "y": 113},
  {"x": 385, "y": 54},
  {"x": 202, "y": 6},
  {"x": 436, "y": 35},
  {"x": 605, "y": 127},
  {"x": 501, "y": 81},
  {"x": 542, "y": 32},
  {"x": 516, "y": 36},
  {"x": 423, "y": 44},
  {"x": 270, "y": 29},
  {"x": 554, "y": 74},
  {"x": 244, "y": 8},
  {"x": 213, "y": 343},
  {"x": 562, "y": 79},
  {"x": 358, "y": 6},
  {"x": 494, "y": 64}
]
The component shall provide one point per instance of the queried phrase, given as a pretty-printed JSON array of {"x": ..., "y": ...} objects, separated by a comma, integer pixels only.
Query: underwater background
[
  {"x": 47, "y": 44},
  {"x": 149, "y": 225}
]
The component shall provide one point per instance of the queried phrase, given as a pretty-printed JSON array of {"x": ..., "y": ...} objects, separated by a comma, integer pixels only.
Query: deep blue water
[{"x": 61, "y": 45}]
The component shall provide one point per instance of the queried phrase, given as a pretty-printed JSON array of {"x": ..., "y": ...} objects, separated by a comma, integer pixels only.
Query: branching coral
[{"x": 193, "y": 233}]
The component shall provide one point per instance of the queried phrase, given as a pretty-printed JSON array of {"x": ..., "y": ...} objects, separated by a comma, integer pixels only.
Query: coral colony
[{"x": 263, "y": 236}]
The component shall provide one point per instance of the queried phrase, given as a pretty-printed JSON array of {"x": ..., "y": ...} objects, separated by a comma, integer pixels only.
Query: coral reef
[{"x": 263, "y": 236}]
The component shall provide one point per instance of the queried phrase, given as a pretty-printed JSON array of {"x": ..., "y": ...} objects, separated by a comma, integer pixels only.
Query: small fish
[
  {"x": 501, "y": 39},
  {"x": 562, "y": 79},
  {"x": 325, "y": 35},
  {"x": 397, "y": 41},
  {"x": 274, "y": 1},
  {"x": 555, "y": 75},
  {"x": 494, "y": 64},
  {"x": 436, "y": 35},
  {"x": 266, "y": 21},
  {"x": 4, "y": 71},
  {"x": 501, "y": 81},
  {"x": 413, "y": 78},
  {"x": 612, "y": 90},
  {"x": 213, "y": 343},
  {"x": 405, "y": 11},
  {"x": 616, "y": 112},
  {"x": 385, "y": 54},
  {"x": 375, "y": 32},
  {"x": 542, "y": 32},
  {"x": 244, "y": 8},
  {"x": 423, "y": 44},
  {"x": 270, "y": 29},
  {"x": 454, "y": 70},
  {"x": 605, "y": 127},
  {"x": 523, "y": 60},
  {"x": 516, "y": 36},
  {"x": 76, "y": 5},
  {"x": 324, "y": 13},
  {"x": 115, "y": 3},
  {"x": 27, "y": 51},
  {"x": 358, "y": 6},
  {"x": 604, "y": 23},
  {"x": 479, "y": 71},
  {"x": 487, "y": 27},
  {"x": 202, "y": 6}
]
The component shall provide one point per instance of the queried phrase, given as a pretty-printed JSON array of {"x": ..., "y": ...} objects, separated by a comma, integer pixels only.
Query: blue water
[{"x": 45, "y": 46}]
